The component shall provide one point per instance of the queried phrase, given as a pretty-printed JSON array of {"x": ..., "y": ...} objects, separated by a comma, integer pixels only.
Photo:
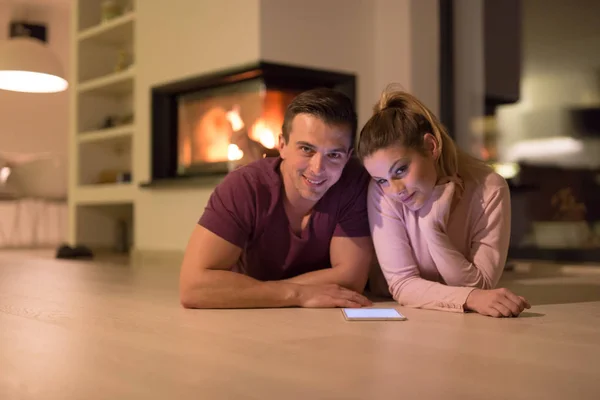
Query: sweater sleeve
[
  {"x": 489, "y": 247},
  {"x": 395, "y": 256}
]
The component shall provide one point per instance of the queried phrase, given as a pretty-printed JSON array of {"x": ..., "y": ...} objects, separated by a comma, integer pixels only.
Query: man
[{"x": 289, "y": 230}]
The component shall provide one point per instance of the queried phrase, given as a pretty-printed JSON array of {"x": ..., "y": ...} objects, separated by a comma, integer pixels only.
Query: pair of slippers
[{"x": 72, "y": 253}]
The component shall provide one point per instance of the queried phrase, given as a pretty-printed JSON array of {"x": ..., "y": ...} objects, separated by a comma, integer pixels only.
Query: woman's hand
[{"x": 496, "y": 303}]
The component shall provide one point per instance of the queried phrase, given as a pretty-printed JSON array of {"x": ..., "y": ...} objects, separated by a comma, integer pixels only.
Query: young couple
[{"x": 305, "y": 228}]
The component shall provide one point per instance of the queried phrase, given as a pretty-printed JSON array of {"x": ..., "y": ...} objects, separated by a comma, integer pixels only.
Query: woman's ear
[{"x": 432, "y": 147}]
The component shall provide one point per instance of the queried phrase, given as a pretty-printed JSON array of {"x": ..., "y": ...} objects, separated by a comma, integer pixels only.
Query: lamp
[{"x": 28, "y": 65}]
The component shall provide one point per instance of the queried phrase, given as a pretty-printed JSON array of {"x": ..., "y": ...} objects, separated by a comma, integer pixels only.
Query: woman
[{"x": 440, "y": 219}]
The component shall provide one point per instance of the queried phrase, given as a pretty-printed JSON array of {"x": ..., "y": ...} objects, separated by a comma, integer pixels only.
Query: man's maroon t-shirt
[{"x": 246, "y": 209}]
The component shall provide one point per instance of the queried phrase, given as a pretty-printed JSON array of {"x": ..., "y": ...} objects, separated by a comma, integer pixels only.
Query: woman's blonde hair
[{"x": 399, "y": 118}]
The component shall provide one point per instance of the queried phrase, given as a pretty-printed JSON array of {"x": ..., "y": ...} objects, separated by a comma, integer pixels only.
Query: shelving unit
[
  {"x": 116, "y": 32},
  {"x": 115, "y": 84},
  {"x": 108, "y": 134},
  {"x": 104, "y": 194},
  {"x": 102, "y": 129}
]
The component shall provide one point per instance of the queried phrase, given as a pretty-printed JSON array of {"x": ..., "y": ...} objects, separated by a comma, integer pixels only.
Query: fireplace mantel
[{"x": 182, "y": 182}]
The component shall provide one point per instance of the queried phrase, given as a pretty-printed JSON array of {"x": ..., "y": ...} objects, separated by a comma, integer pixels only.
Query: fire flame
[
  {"x": 233, "y": 116},
  {"x": 242, "y": 132},
  {"x": 234, "y": 153},
  {"x": 261, "y": 130},
  {"x": 263, "y": 133},
  {"x": 4, "y": 174}
]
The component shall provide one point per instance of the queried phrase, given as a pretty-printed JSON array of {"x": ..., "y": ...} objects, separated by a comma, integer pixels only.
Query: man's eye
[
  {"x": 305, "y": 149},
  {"x": 335, "y": 156}
]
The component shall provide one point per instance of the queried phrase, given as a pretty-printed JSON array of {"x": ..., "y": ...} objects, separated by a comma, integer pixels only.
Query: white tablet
[{"x": 372, "y": 314}]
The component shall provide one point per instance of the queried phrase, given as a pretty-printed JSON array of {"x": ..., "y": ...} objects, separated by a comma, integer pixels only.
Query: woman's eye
[
  {"x": 401, "y": 170},
  {"x": 381, "y": 181}
]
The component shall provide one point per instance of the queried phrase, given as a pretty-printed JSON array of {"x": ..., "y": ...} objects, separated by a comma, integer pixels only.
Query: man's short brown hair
[{"x": 329, "y": 105}]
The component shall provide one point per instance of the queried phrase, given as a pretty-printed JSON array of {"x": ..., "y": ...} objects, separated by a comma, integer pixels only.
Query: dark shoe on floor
[
  {"x": 72, "y": 253},
  {"x": 82, "y": 252},
  {"x": 65, "y": 251}
]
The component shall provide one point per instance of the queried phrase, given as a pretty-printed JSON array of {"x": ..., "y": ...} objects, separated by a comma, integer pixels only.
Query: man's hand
[
  {"x": 496, "y": 303},
  {"x": 330, "y": 295}
]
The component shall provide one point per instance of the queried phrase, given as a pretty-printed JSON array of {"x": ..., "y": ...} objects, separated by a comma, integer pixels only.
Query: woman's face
[{"x": 405, "y": 174}]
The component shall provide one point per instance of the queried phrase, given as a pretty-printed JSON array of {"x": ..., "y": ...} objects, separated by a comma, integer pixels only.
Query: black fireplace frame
[{"x": 164, "y": 126}]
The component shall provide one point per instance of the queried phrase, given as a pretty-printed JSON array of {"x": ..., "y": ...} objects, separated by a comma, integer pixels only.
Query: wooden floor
[{"x": 110, "y": 330}]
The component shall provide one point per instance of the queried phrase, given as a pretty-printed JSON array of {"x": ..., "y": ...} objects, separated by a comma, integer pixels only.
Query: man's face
[{"x": 314, "y": 156}]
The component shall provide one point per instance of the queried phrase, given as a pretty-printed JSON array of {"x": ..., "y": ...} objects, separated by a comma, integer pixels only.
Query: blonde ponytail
[{"x": 399, "y": 118}]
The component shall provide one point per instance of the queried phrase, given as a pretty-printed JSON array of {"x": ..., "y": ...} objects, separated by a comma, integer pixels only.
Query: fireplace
[{"x": 211, "y": 124}]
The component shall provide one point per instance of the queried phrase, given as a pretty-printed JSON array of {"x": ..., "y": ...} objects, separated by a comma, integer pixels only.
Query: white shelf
[
  {"x": 118, "y": 83},
  {"x": 116, "y": 32},
  {"x": 106, "y": 134},
  {"x": 97, "y": 155},
  {"x": 106, "y": 193}
]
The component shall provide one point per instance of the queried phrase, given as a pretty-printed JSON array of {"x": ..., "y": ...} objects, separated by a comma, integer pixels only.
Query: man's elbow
[
  {"x": 194, "y": 298},
  {"x": 187, "y": 298},
  {"x": 186, "y": 303},
  {"x": 190, "y": 292},
  {"x": 358, "y": 287},
  {"x": 360, "y": 277},
  {"x": 356, "y": 283}
]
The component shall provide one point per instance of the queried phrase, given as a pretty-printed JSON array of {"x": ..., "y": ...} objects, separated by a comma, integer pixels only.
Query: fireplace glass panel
[{"x": 229, "y": 125}]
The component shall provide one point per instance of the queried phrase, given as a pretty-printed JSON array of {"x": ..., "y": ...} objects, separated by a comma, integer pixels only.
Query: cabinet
[{"x": 502, "y": 31}]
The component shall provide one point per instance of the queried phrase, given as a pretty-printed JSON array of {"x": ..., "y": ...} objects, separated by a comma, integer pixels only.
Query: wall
[
  {"x": 36, "y": 124},
  {"x": 374, "y": 39},
  {"x": 334, "y": 34},
  {"x": 391, "y": 45},
  {"x": 382, "y": 41},
  {"x": 561, "y": 69},
  {"x": 424, "y": 52},
  {"x": 177, "y": 39}
]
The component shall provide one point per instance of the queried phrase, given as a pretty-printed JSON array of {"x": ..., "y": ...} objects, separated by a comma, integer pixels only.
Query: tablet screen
[{"x": 364, "y": 313}]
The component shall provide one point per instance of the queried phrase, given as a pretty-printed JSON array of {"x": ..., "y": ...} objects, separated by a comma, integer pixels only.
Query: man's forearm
[
  {"x": 226, "y": 289},
  {"x": 330, "y": 275}
]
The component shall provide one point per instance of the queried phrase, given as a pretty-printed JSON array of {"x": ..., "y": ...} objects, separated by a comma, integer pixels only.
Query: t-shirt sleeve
[
  {"x": 230, "y": 211},
  {"x": 353, "y": 218}
]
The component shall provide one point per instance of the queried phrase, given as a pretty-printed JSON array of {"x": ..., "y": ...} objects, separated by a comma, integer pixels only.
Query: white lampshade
[{"x": 28, "y": 65}]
